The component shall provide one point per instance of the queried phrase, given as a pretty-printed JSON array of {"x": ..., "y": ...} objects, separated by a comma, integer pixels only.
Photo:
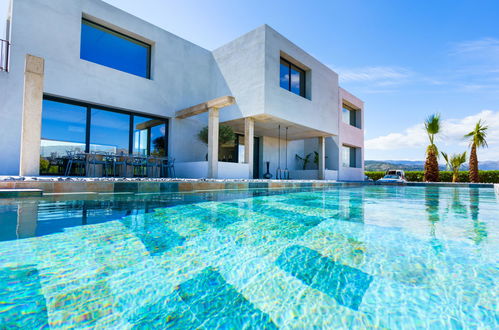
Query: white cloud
[
  {"x": 451, "y": 137},
  {"x": 380, "y": 75},
  {"x": 484, "y": 47},
  {"x": 475, "y": 65},
  {"x": 411, "y": 137}
]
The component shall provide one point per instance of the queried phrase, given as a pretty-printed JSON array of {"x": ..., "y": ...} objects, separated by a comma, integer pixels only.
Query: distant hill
[{"x": 417, "y": 165}]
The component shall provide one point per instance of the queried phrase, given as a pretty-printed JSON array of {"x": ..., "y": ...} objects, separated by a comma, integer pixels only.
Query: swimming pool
[{"x": 385, "y": 256}]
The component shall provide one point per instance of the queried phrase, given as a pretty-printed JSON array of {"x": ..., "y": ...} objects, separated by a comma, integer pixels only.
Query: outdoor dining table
[{"x": 124, "y": 165}]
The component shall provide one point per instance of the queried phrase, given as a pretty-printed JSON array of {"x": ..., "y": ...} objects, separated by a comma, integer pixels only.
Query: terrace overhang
[
  {"x": 212, "y": 107},
  {"x": 266, "y": 125},
  {"x": 217, "y": 103}
]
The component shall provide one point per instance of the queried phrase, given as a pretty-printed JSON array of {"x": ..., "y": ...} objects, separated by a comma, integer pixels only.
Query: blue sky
[{"x": 405, "y": 59}]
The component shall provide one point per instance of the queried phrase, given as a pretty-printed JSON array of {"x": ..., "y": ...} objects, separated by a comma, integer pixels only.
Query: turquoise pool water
[{"x": 374, "y": 256}]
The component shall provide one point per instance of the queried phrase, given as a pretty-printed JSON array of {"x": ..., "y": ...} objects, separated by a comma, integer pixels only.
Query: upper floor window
[
  {"x": 292, "y": 78},
  {"x": 113, "y": 49},
  {"x": 350, "y": 156},
  {"x": 351, "y": 116}
]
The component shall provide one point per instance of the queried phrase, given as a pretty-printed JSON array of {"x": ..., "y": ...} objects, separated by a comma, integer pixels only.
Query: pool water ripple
[{"x": 374, "y": 256}]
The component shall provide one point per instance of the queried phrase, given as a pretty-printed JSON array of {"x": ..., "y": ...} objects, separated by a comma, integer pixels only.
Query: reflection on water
[
  {"x": 28, "y": 217},
  {"x": 479, "y": 227},
  {"x": 432, "y": 203},
  {"x": 360, "y": 257}
]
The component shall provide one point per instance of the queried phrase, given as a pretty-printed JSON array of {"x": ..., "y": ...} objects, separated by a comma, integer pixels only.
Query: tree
[
  {"x": 477, "y": 140},
  {"x": 225, "y": 134},
  {"x": 454, "y": 163},
  {"x": 432, "y": 127},
  {"x": 159, "y": 146}
]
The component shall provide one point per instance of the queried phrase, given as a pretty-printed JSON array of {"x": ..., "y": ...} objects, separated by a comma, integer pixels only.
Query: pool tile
[
  {"x": 185, "y": 186},
  {"x": 345, "y": 284},
  {"x": 99, "y": 187},
  {"x": 217, "y": 304},
  {"x": 66, "y": 187},
  {"x": 236, "y": 185},
  {"x": 7, "y": 185},
  {"x": 169, "y": 187},
  {"x": 208, "y": 185},
  {"x": 81, "y": 307},
  {"x": 170, "y": 312},
  {"x": 126, "y": 187},
  {"x": 155, "y": 235},
  {"x": 47, "y": 187},
  {"x": 218, "y": 215},
  {"x": 22, "y": 304},
  {"x": 254, "y": 185},
  {"x": 149, "y": 187},
  {"x": 285, "y": 214},
  {"x": 277, "y": 185}
]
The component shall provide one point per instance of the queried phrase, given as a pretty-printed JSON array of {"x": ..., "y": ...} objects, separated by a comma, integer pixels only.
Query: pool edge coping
[{"x": 116, "y": 186}]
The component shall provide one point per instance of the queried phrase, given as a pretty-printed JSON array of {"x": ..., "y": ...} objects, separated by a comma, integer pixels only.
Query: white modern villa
[{"x": 82, "y": 75}]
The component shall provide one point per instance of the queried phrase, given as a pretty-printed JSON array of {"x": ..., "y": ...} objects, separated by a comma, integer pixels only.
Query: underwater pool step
[{"x": 15, "y": 193}]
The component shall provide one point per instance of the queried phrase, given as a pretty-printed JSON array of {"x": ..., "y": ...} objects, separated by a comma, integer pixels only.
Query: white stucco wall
[
  {"x": 198, "y": 170},
  {"x": 319, "y": 110},
  {"x": 182, "y": 73},
  {"x": 270, "y": 153},
  {"x": 241, "y": 63},
  {"x": 351, "y": 136}
]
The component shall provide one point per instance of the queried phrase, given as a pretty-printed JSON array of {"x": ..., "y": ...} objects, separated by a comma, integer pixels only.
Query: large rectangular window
[
  {"x": 109, "y": 132},
  {"x": 69, "y": 126},
  {"x": 292, "y": 78},
  {"x": 350, "y": 156},
  {"x": 351, "y": 116},
  {"x": 149, "y": 136},
  {"x": 113, "y": 49},
  {"x": 63, "y": 129}
]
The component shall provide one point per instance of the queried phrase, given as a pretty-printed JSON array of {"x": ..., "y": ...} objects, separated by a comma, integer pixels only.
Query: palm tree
[
  {"x": 432, "y": 127},
  {"x": 477, "y": 137},
  {"x": 454, "y": 163}
]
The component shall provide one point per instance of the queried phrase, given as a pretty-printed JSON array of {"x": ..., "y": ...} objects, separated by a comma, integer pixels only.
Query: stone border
[
  {"x": 131, "y": 186},
  {"x": 65, "y": 185},
  {"x": 17, "y": 193}
]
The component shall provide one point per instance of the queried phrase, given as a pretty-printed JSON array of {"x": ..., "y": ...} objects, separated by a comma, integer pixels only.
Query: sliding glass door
[{"x": 69, "y": 126}]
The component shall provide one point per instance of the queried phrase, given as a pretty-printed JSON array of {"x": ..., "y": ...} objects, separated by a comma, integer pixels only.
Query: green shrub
[
  {"x": 445, "y": 176},
  {"x": 44, "y": 165}
]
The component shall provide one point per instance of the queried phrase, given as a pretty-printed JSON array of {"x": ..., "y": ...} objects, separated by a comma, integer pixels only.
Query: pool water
[{"x": 372, "y": 256}]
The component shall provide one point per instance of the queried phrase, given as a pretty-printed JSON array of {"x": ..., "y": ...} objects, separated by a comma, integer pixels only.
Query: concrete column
[
  {"x": 32, "y": 116},
  {"x": 27, "y": 217},
  {"x": 213, "y": 123},
  {"x": 322, "y": 157},
  {"x": 249, "y": 133}
]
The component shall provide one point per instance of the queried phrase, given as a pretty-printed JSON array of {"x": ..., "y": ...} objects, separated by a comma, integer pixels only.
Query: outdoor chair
[
  {"x": 98, "y": 159},
  {"x": 168, "y": 167},
  {"x": 138, "y": 162},
  {"x": 121, "y": 160},
  {"x": 153, "y": 167},
  {"x": 77, "y": 160}
]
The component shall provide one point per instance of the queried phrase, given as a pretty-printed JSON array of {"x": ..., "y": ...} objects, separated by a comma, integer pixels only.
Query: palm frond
[
  {"x": 478, "y": 136},
  {"x": 432, "y": 126},
  {"x": 455, "y": 161},
  {"x": 446, "y": 158}
]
